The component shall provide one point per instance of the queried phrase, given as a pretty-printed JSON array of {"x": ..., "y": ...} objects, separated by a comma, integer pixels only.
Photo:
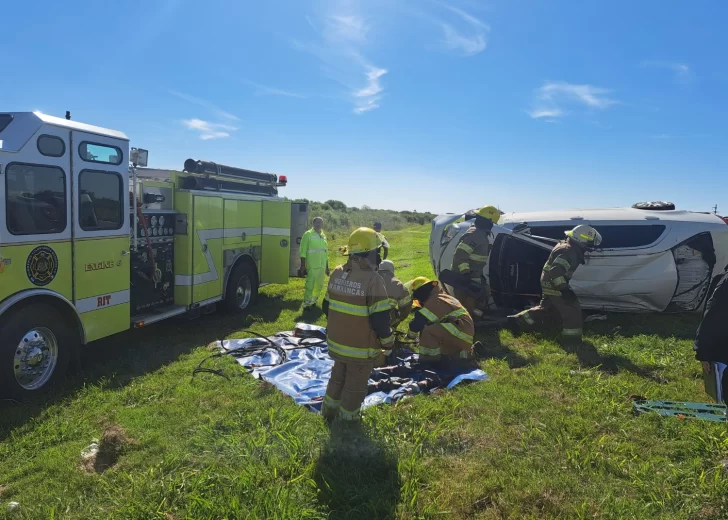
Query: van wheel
[
  {"x": 35, "y": 348},
  {"x": 656, "y": 206},
  {"x": 242, "y": 289}
]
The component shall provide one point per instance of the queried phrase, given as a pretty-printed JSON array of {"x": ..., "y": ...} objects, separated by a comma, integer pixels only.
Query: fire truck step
[{"x": 142, "y": 320}]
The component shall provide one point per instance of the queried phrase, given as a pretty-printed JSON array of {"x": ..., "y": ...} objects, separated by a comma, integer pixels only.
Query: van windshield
[{"x": 5, "y": 120}]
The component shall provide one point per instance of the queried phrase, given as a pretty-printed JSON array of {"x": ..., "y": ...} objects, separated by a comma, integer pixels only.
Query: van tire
[
  {"x": 655, "y": 206},
  {"x": 49, "y": 343},
  {"x": 242, "y": 289}
]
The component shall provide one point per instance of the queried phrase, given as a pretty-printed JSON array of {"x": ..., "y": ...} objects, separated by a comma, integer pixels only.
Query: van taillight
[{"x": 724, "y": 219}]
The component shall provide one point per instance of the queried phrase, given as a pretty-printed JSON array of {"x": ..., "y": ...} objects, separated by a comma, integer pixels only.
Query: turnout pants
[
  {"x": 346, "y": 390},
  {"x": 473, "y": 305},
  {"x": 314, "y": 283},
  {"x": 549, "y": 309},
  {"x": 436, "y": 342}
]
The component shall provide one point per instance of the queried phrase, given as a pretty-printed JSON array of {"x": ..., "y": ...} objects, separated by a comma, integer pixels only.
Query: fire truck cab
[{"x": 91, "y": 246}]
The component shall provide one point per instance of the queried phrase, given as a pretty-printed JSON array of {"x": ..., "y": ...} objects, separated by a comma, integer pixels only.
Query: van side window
[
  {"x": 100, "y": 203},
  {"x": 51, "y": 146},
  {"x": 5, "y": 120},
  {"x": 613, "y": 237},
  {"x": 35, "y": 199},
  {"x": 99, "y": 153}
]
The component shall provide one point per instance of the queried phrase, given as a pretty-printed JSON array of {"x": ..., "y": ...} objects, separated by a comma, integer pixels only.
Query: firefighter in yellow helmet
[
  {"x": 557, "y": 297},
  {"x": 470, "y": 258},
  {"x": 444, "y": 327},
  {"x": 357, "y": 307}
]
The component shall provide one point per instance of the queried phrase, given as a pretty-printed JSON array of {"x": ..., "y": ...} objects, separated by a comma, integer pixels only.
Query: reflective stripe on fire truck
[
  {"x": 211, "y": 234},
  {"x": 102, "y": 301}
]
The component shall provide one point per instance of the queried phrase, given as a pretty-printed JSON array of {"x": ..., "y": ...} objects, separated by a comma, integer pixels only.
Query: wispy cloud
[
  {"x": 552, "y": 96},
  {"x": 470, "y": 40},
  {"x": 682, "y": 72},
  {"x": 343, "y": 38},
  {"x": 550, "y": 113},
  {"x": 208, "y": 130},
  {"x": 219, "y": 112},
  {"x": 263, "y": 90}
]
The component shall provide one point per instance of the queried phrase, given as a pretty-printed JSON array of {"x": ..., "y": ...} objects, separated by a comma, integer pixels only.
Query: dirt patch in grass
[
  {"x": 3, "y": 490},
  {"x": 113, "y": 442}
]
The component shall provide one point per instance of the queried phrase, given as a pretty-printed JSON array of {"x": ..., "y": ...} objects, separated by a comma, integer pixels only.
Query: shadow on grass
[
  {"x": 680, "y": 326},
  {"x": 357, "y": 478},
  {"x": 494, "y": 349},
  {"x": 310, "y": 315},
  {"x": 114, "y": 362},
  {"x": 589, "y": 357}
]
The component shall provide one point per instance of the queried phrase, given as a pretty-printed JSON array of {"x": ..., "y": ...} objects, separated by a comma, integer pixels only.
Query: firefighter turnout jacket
[
  {"x": 400, "y": 298},
  {"x": 445, "y": 328},
  {"x": 560, "y": 267},
  {"x": 471, "y": 254},
  {"x": 357, "y": 307}
]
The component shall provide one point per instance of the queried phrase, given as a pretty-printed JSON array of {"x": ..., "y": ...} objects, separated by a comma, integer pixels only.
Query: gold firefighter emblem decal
[{"x": 42, "y": 266}]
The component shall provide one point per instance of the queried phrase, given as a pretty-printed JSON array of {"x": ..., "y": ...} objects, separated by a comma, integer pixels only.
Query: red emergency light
[{"x": 282, "y": 180}]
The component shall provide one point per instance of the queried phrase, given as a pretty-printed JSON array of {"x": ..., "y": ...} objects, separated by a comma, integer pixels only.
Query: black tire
[
  {"x": 657, "y": 205},
  {"x": 45, "y": 323},
  {"x": 244, "y": 277}
]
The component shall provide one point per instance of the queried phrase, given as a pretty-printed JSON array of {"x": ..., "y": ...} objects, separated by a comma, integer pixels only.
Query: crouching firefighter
[
  {"x": 469, "y": 261},
  {"x": 557, "y": 296},
  {"x": 444, "y": 326},
  {"x": 357, "y": 307}
]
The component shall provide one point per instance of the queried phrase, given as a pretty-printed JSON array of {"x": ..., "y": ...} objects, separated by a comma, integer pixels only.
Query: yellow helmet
[
  {"x": 489, "y": 212},
  {"x": 364, "y": 240},
  {"x": 418, "y": 282}
]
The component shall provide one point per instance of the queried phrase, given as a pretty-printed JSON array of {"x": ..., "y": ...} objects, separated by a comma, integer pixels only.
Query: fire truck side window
[
  {"x": 99, "y": 153},
  {"x": 35, "y": 199},
  {"x": 100, "y": 206},
  {"x": 51, "y": 146}
]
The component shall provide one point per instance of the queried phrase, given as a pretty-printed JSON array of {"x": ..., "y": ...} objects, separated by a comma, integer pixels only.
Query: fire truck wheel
[
  {"x": 35, "y": 348},
  {"x": 242, "y": 288}
]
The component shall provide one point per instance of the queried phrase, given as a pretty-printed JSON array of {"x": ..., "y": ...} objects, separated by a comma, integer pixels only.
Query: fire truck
[{"x": 92, "y": 242}]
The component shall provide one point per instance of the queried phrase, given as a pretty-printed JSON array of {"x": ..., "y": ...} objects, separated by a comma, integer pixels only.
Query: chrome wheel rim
[
  {"x": 35, "y": 358},
  {"x": 243, "y": 293}
]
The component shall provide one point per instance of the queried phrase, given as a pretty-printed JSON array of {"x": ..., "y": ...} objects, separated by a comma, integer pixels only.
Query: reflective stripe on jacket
[
  {"x": 356, "y": 299},
  {"x": 560, "y": 267},
  {"x": 442, "y": 309},
  {"x": 472, "y": 253},
  {"x": 315, "y": 249}
]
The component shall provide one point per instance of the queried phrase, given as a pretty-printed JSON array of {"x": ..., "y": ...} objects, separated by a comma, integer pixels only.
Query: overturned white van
[{"x": 649, "y": 260}]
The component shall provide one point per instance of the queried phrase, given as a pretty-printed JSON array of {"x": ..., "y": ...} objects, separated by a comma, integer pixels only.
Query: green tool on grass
[{"x": 683, "y": 410}]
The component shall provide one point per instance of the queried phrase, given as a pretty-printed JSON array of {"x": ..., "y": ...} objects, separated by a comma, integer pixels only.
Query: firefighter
[
  {"x": 444, "y": 327},
  {"x": 470, "y": 258},
  {"x": 710, "y": 345},
  {"x": 557, "y": 296},
  {"x": 385, "y": 244},
  {"x": 400, "y": 298},
  {"x": 314, "y": 253},
  {"x": 358, "y": 329}
]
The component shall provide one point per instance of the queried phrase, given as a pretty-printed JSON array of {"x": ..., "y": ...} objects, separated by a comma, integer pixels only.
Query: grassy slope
[{"x": 551, "y": 435}]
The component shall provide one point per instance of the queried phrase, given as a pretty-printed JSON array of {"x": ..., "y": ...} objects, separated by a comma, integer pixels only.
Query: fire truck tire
[
  {"x": 35, "y": 348},
  {"x": 242, "y": 289}
]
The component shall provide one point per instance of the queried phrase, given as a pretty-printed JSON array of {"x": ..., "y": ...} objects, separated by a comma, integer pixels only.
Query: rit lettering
[{"x": 103, "y": 300}]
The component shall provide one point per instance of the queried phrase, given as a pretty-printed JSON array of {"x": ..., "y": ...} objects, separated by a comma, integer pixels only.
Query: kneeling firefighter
[
  {"x": 444, "y": 326},
  {"x": 557, "y": 298},
  {"x": 357, "y": 307},
  {"x": 469, "y": 261}
]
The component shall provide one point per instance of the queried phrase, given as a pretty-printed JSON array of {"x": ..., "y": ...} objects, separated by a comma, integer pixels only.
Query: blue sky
[{"x": 404, "y": 104}]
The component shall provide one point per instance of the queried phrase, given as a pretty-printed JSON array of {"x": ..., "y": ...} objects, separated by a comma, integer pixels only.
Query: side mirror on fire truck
[{"x": 139, "y": 157}]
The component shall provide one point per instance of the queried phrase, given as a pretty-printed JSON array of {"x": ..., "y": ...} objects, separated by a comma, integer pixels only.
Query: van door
[{"x": 101, "y": 232}]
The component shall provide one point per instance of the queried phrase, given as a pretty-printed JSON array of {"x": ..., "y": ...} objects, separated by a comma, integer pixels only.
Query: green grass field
[{"x": 550, "y": 435}]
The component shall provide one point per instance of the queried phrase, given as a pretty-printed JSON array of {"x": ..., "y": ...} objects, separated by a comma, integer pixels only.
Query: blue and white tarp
[{"x": 306, "y": 370}]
